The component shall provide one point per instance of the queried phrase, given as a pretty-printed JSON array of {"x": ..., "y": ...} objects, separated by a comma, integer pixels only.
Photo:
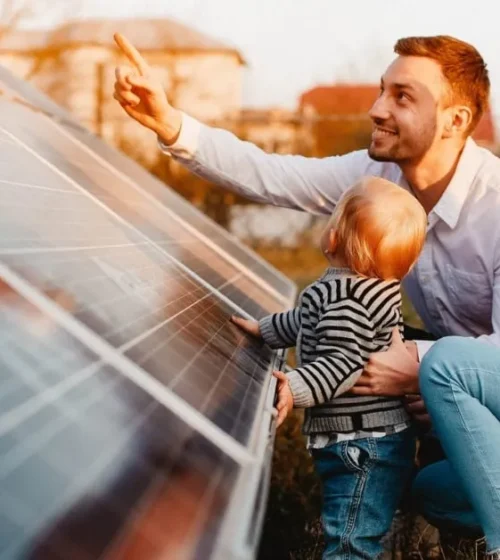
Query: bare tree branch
[{"x": 13, "y": 13}]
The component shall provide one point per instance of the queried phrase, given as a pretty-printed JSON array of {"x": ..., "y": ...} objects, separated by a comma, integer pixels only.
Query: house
[
  {"x": 276, "y": 130},
  {"x": 343, "y": 103},
  {"x": 75, "y": 63}
]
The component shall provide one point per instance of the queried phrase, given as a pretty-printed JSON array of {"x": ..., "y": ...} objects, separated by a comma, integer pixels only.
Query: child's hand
[
  {"x": 285, "y": 397},
  {"x": 249, "y": 326}
]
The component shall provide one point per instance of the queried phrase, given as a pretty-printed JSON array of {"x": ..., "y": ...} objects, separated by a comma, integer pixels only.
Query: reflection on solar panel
[{"x": 135, "y": 419}]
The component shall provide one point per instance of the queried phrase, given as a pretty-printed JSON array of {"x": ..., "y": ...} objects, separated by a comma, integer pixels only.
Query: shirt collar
[
  {"x": 336, "y": 272},
  {"x": 452, "y": 201}
]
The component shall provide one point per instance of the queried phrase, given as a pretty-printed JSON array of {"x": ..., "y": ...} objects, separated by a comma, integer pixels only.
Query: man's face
[{"x": 408, "y": 115}]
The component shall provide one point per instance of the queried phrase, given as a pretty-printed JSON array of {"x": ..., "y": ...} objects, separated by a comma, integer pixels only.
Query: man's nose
[{"x": 380, "y": 110}]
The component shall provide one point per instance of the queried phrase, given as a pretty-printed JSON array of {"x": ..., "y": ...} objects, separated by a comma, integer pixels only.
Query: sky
[{"x": 292, "y": 45}]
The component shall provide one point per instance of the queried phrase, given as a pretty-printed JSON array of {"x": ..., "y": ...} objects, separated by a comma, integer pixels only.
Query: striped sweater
[{"x": 339, "y": 321}]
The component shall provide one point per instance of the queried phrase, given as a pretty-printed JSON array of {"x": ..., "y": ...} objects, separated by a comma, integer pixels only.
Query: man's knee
[
  {"x": 438, "y": 496},
  {"x": 450, "y": 361},
  {"x": 438, "y": 364}
]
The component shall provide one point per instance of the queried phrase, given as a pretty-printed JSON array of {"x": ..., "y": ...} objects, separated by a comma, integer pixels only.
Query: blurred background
[{"x": 291, "y": 76}]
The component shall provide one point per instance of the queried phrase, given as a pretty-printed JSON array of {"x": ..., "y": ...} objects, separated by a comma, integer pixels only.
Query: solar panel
[
  {"x": 128, "y": 170},
  {"x": 135, "y": 418},
  {"x": 20, "y": 90},
  {"x": 88, "y": 455}
]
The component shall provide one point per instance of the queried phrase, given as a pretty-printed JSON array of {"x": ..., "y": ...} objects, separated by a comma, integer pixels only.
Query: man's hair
[
  {"x": 378, "y": 233},
  {"x": 463, "y": 68}
]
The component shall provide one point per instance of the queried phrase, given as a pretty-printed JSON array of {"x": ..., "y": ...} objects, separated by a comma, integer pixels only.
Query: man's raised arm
[{"x": 309, "y": 184}]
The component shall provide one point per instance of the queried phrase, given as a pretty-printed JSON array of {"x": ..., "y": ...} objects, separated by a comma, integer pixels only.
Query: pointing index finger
[{"x": 131, "y": 53}]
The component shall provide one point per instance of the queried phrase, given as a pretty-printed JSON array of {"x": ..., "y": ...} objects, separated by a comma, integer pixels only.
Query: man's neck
[{"x": 429, "y": 177}]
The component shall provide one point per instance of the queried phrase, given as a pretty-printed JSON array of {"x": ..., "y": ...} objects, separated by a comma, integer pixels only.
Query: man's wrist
[
  {"x": 412, "y": 348},
  {"x": 423, "y": 346},
  {"x": 169, "y": 129},
  {"x": 412, "y": 385}
]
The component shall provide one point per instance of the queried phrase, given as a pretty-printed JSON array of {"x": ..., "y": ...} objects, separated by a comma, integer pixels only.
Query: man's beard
[{"x": 410, "y": 151}]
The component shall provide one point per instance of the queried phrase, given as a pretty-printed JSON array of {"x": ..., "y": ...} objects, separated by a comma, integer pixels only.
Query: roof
[
  {"x": 341, "y": 99},
  {"x": 351, "y": 99},
  {"x": 268, "y": 115},
  {"x": 145, "y": 34}
]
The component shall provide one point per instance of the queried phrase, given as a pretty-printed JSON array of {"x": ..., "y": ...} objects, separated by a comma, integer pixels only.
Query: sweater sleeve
[
  {"x": 344, "y": 332},
  {"x": 280, "y": 330}
]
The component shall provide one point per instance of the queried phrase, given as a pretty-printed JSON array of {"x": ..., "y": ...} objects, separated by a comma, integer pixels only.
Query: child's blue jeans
[{"x": 363, "y": 483}]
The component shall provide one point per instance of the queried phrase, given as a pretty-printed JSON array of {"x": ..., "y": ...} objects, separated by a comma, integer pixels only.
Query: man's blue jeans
[
  {"x": 363, "y": 481},
  {"x": 460, "y": 384}
]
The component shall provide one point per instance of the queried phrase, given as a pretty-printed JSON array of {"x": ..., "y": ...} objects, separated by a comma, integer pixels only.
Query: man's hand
[
  {"x": 415, "y": 406},
  {"x": 142, "y": 96},
  {"x": 249, "y": 326},
  {"x": 285, "y": 397},
  {"x": 412, "y": 348},
  {"x": 392, "y": 373}
]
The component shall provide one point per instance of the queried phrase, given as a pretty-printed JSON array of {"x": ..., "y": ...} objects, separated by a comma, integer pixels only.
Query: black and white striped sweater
[{"x": 339, "y": 321}]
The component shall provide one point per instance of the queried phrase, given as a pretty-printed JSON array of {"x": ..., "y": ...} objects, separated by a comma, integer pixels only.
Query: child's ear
[{"x": 332, "y": 241}]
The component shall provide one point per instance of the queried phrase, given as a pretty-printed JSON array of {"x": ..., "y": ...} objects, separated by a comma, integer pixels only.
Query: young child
[{"x": 363, "y": 447}]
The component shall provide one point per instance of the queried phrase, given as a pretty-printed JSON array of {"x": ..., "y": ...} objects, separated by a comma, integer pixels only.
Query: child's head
[{"x": 377, "y": 229}]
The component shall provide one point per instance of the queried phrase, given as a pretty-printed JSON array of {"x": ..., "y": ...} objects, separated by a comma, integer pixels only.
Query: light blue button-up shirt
[{"x": 455, "y": 285}]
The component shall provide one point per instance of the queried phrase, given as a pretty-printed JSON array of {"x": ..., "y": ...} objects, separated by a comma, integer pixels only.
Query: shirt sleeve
[
  {"x": 302, "y": 183},
  {"x": 344, "y": 333},
  {"x": 184, "y": 148},
  {"x": 423, "y": 346}
]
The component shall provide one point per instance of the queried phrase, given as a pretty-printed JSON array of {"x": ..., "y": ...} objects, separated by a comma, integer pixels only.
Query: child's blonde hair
[{"x": 378, "y": 229}]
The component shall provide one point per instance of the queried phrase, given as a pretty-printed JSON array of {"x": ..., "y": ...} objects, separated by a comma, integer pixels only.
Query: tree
[
  {"x": 16, "y": 12},
  {"x": 11, "y": 13}
]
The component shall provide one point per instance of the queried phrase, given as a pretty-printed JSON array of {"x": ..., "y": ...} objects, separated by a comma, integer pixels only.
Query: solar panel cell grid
[{"x": 132, "y": 411}]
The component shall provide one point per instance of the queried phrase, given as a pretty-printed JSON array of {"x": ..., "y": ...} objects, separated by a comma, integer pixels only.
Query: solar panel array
[{"x": 135, "y": 418}]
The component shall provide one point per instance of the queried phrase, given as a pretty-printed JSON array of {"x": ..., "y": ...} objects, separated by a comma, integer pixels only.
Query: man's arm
[
  {"x": 392, "y": 373},
  {"x": 395, "y": 372},
  {"x": 303, "y": 183},
  {"x": 421, "y": 347},
  {"x": 308, "y": 184}
]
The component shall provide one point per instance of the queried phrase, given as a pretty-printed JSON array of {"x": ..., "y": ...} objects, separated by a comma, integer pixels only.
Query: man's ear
[
  {"x": 332, "y": 241},
  {"x": 457, "y": 121},
  {"x": 462, "y": 119}
]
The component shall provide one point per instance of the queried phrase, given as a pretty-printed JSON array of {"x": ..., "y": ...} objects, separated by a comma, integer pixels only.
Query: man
[{"x": 431, "y": 98}]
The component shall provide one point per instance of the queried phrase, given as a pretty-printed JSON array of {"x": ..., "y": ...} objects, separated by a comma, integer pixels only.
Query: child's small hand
[
  {"x": 249, "y": 326},
  {"x": 285, "y": 397}
]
